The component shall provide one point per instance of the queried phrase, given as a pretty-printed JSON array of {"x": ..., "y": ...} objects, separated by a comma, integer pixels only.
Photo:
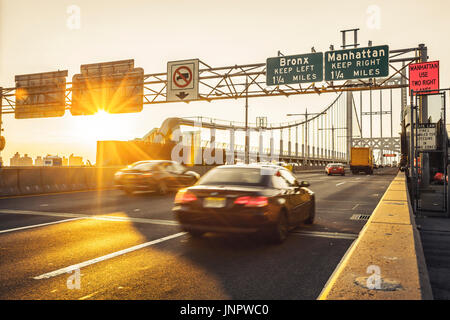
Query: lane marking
[
  {"x": 333, "y": 235},
  {"x": 39, "y": 225},
  {"x": 89, "y": 295},
  {"x": 57, "y": 193},
  {"x": 356, "y": 206},
  {"x": 106, "y": 257},
  {"x": 86, "y": 216},
  {"x": 340, "y": 184}
]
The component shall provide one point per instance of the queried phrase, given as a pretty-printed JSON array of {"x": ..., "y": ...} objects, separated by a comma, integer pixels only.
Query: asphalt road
[{"x": 129, "y": 247}]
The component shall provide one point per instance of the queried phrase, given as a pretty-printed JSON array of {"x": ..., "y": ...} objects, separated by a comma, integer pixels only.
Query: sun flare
[{"x": 104, "y": 126}]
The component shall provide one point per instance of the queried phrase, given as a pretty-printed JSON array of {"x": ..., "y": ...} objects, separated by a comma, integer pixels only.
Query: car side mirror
[{"x": 304, "y": 184}]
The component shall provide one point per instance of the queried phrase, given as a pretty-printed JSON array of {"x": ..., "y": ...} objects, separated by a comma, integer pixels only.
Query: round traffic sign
[{"x": 182, "y": 77}]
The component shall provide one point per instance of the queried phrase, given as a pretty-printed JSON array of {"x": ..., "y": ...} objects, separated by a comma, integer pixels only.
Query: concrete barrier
[
  {"x": 386, "y": 262},
  {"x": 91, "y": 178},
  {"x": 40, "y": 180},
  {"x": 105, "y": 177},
  {"x": 9, "y": 182},
  {"x": 54, "y": 179},
  {"x": 29, "y": 181},
  {"x": 76, "y": 178}
]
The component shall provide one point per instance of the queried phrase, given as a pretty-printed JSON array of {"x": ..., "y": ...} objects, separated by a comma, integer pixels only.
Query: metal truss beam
[
  {"x": 392, "y": 143},
  {"x": 241, "y": 81}
]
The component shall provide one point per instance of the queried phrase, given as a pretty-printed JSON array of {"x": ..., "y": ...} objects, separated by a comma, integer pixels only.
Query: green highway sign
[
  {"x": 358, "y": 63},
  {"x": 294, "y": 69}
]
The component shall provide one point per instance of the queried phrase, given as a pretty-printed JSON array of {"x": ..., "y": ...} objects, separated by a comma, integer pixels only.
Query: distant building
[
  {"x": 75, "y": 161},
  {"x": 26, "y": 161},
  {"x": 53, "y": 161},
  {"x": 18, "y": 161},
  {"x": 39, "y": 162},
  {"x": 15, "y": 160}
]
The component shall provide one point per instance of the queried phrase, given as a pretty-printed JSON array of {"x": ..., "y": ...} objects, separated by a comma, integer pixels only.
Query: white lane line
[
  {"x": 89, "y": 295},
  {"x": 340, "y": 184},
  {"x": 86, "y": 216},
  {"x": 106, "y": 257},
  {"x": 39, "y": 225},
  {"x": 333, "y": 235},
  {"x": 356, "y": 206}
]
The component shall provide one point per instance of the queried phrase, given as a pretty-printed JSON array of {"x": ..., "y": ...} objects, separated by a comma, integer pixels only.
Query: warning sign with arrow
[{"x": 182, "y": 80}]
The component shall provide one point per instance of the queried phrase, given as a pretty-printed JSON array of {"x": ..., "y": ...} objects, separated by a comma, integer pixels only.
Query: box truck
[{"x": 361, "y": 160}]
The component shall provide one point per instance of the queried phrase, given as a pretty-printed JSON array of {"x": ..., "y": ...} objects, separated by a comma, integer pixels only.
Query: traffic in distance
[{"x": 262, "y": 198}]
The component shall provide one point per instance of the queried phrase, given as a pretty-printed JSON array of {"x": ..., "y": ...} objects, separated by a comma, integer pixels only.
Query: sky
[{"x": 51, "y": 35}]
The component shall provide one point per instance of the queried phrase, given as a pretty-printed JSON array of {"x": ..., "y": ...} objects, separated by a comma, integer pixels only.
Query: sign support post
[
  {"x": 247, "y": 138},
  {"x": 2, "y": 139},
  {"x": 424, "y": 119}
]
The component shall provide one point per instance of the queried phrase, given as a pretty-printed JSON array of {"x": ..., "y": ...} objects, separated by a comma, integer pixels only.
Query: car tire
[
  {"x": 195, "y": 233},
  {"x": 312, "y": 214},
  {"x": 162, "y": 188},
  {"x": 281, "y": 229}
]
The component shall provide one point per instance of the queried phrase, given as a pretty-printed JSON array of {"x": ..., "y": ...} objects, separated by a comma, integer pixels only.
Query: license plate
[{"x": 214, "y": 202}]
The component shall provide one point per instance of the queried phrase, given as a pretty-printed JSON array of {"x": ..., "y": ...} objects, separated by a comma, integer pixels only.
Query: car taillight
[
  {"x": 252, "y": 201},
  {"x": 184, "y": 196}
]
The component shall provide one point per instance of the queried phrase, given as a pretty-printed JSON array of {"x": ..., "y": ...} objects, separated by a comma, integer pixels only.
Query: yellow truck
[{"x": 361, "y": 160}]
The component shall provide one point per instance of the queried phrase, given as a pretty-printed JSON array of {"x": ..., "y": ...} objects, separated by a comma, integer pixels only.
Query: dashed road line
[
  {"x": 87, "y": 216},
  {"x": 106, "y": 257},
  {"x": 89, "y": 295},
  {"x": 39, "y": 225}
]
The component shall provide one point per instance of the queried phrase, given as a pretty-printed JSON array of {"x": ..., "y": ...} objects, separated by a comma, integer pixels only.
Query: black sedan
[
  {"x": 161, "y": 176},
  {"x": 266, "y": 199}
]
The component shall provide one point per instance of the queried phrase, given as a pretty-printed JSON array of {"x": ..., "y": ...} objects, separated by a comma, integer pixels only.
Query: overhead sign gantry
[
  {"x": 40, "y": 95},
  {"x": 116, "y": 87}
]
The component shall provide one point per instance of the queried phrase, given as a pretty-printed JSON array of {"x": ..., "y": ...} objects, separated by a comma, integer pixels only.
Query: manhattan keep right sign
[{"x": 358, "y": 63}]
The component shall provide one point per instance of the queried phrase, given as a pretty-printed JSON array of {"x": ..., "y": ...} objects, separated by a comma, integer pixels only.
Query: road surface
[{"x": 106, "y": 245}]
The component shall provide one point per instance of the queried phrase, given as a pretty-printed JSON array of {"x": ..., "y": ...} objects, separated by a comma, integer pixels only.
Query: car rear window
[
  {"x": 144, "y": 166},
  {"x": 234, "y": 176}
]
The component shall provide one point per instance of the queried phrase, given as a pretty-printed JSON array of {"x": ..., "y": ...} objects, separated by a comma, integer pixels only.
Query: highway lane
[{"x": 215, "y": 267}]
